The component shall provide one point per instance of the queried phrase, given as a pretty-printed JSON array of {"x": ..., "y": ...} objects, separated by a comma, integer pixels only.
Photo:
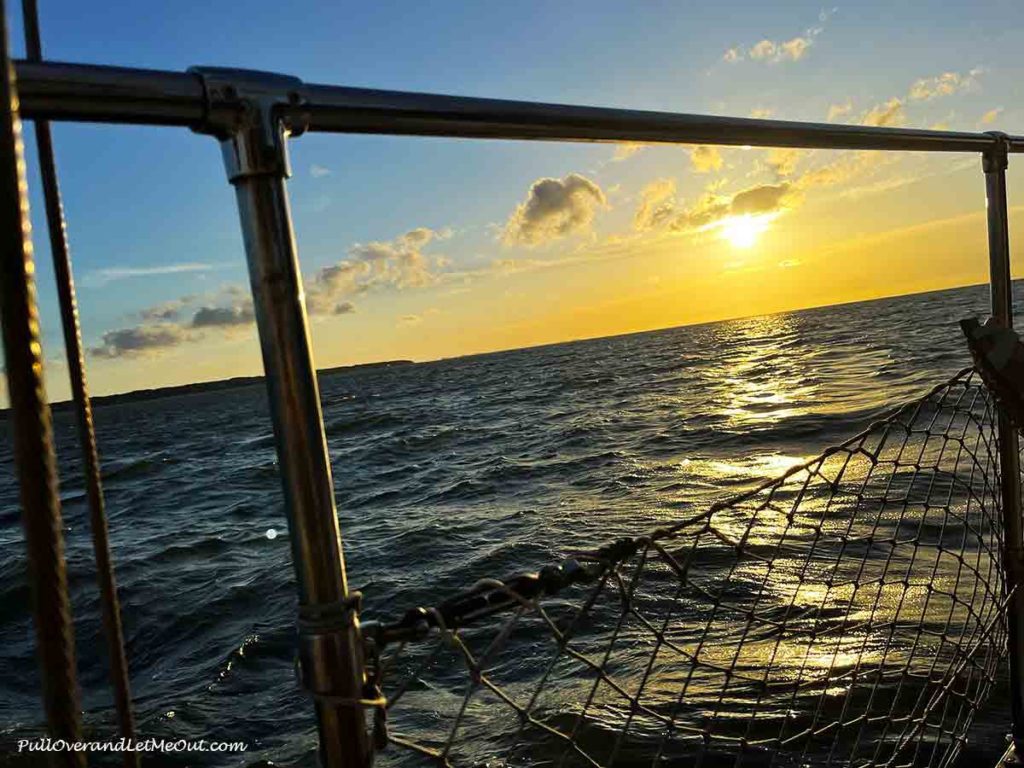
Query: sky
[{"x": 427, "y": 248}]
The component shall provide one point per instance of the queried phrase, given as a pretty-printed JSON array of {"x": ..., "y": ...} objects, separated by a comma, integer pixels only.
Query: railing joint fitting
[
  {"x": 997, "y": 157},
  {"x": 252, "y": 114}
]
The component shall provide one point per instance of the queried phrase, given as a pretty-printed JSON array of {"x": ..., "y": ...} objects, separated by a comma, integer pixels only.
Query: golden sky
[{"x": 421, "y": 249}]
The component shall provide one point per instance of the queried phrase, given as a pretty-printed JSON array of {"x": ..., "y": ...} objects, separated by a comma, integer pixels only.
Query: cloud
[
  {"x": 626, "y": 150},
  {"x": 319, "y": 171},
  {"x": 763, "y": 50},
  {"x": 889, "y": 114},
  {"x": 223, "y": 317},
  {"x": 794, "y": 49},
  {"x": 946, "y": 84},
  {"x": 705, "y": 158},
  {"x": 410, "y": 320},
  {"x": 398, "y": 263},
  {"x": 782, "y": 162},
  {"x": 660, "y": 209},
  {"x": 101, "y": 277},
  {"x": 140, "y": 340},
  {"x": 769, "y": 50},
  {"x": 991, "y": 116},
  {"x": 167, "y": 310},
  {"x": 554, "y": 208},
  {"x": 657, "y": 204},
  {"x": 765, "y": 198},
  {"x": 835, "y": 111}
]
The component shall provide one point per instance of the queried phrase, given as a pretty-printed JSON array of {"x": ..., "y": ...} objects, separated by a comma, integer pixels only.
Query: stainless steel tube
[
  {"x": 360, "y": 110},
  {"x": 330, "y": 642},
  {"x": 90, "y": 93},
  {"x": 995, "y": 164},
  {"x": 59, "y": 91}
]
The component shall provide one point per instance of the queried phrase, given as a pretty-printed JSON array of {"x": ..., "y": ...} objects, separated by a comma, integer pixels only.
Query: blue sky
[{"x": 152, "y": 219}]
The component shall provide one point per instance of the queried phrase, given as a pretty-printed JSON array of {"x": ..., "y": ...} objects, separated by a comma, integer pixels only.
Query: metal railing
[{"x": 253, "y": 115}]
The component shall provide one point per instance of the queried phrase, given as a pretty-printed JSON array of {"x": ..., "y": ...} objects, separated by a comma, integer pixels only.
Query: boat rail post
[
  {"x": 246, "y": 112},
  {"x": 994, "y": 163}
]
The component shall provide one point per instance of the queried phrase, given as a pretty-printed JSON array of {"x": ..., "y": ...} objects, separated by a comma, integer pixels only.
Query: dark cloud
[
  {"x": 344, "y": 308},
  {"x": 140, "y": 340},
  {"x": 168, "y": 310},
  {"x": 554, "y": 208},
  {"x": 659, "y": 207},
  {"x": 223, "y": 317},
  {"x": 756, "y": 200}
]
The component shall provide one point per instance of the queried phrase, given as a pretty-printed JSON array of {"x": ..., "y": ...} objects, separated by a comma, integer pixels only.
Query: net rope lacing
[{"x": 848, "y": 612}]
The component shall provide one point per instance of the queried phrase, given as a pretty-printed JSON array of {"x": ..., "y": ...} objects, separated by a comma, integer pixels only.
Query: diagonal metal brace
[{"x": 252, "y": 113}]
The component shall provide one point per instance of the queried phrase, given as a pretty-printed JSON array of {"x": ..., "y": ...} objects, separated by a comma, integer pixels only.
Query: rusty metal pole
[
  {"x": 33, "y": 430},
  {"x": 109, "y": 604}
]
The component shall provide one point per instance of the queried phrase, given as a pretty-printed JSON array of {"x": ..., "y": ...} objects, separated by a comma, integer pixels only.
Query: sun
[{"x": 743, "y": 231}]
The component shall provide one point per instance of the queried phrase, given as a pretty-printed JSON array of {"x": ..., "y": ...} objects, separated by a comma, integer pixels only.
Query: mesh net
[{"x": 848, "y": 612}]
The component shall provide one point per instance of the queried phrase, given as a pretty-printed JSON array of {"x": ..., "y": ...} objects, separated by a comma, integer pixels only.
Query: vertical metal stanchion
[
  {"x": 243, "y": 114},
  {"x": 995, "y": 164},
  {"x": 33, "y": 430}
]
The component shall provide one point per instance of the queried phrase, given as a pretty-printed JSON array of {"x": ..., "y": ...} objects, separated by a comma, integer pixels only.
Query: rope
[
  {"x": 32, "y": 426},
  {"x": 109, "y": 604}
]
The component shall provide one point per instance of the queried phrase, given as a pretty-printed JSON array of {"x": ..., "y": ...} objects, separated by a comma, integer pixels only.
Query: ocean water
[{"x": 445, "y": 473}]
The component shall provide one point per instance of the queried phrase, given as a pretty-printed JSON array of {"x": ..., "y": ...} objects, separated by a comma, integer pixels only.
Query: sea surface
[{"x": 445, "y": 472}]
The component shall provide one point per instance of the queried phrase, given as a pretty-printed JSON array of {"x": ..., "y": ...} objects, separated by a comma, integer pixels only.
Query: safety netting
[{"x": 849, "y": 612}]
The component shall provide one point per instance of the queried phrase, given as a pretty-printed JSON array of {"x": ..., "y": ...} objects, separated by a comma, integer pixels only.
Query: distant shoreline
[{"x": 237, "y": 382}]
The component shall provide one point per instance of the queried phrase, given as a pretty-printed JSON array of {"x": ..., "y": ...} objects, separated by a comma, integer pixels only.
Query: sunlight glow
[{"x": 743, "y": 231}]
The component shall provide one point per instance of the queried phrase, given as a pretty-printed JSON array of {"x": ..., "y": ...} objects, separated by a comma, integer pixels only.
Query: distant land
[{"x": 212, "y": 386}]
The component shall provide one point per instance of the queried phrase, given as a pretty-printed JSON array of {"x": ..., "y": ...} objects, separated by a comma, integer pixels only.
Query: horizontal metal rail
[{"x": 88, "y": 93}]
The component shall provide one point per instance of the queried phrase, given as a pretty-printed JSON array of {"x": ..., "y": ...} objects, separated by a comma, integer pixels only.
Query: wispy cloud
[
  {"x": 782, "y": 162},
  {"x": 319, "y": 171},
  {"x": 776, "y": 51},
  {"x": 889, "y": 114},
  {"x": 705, "y": 158},
  {"x": 836, "y": 111},
  {"x": 945, "y": 84},
  {"x": 626, "y": 150},
  {"x": 991, "y": 116},
  {"x": 107, "y": 275}
]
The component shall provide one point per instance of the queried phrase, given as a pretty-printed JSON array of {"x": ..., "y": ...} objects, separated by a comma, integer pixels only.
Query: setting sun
[{"x": 743, "y": 231}]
